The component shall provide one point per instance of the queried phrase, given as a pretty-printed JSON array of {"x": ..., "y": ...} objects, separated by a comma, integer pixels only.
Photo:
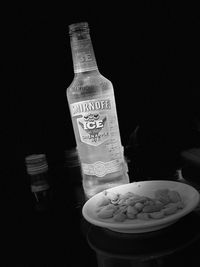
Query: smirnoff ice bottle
[{"x": 94, "y": 117}]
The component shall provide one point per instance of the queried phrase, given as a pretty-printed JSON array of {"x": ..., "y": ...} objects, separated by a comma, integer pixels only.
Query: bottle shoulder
[
  {"x": 88, "y": 77},
  {"x": 86, "y": 85}
]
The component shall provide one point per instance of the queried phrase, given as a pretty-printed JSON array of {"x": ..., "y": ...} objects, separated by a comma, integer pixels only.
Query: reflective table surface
[{"x": 60, "y": 236}]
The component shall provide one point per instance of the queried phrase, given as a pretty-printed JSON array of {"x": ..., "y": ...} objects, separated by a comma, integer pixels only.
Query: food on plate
[{"x": 131, "y": 206}]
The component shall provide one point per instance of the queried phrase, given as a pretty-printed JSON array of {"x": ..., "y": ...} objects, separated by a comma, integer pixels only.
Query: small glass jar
[{"x": 37, "y": 170}]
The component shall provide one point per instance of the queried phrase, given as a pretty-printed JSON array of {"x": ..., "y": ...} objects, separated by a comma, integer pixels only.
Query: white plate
[{"x": 189, "y": 195}]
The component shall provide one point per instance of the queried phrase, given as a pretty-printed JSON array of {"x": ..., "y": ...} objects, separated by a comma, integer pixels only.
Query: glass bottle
[
  {"x": 72, "y": 165},
  {"x": 92, "y": 106},
  {"x": 37, "y": 169}
]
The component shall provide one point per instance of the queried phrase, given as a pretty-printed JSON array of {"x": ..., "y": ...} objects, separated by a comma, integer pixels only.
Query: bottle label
[
  {"x": 92, "y": 121},
  {"x": 100, "y": 168},
  {"x": 97, "y": 134},
  {"x": 83, "y": 55}
]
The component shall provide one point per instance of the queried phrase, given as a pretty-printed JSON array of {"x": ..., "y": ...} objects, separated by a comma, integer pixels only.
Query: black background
[{"x": 150, "y": 52}]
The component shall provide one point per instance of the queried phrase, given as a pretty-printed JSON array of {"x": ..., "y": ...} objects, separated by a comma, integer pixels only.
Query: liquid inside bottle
[{"x": 94, "y": 117}]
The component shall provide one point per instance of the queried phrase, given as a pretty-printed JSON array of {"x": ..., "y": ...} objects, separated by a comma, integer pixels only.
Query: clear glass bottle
[
  {"x": 94, "y": 117},
  {"x": 37, "y": 169}
]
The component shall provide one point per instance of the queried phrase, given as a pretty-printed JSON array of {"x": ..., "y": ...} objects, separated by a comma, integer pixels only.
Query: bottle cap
[
  {"x": 36, "y": 163},
  {"x": 78, "y": 27}
]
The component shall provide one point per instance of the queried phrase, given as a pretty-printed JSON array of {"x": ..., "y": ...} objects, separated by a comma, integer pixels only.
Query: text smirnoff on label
[{"x": 92, "y": 105}]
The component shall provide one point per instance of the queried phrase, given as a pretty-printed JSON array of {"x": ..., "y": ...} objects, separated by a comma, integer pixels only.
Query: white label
[
  {"x": 94, "y": 105},
  {"x": 93, "y": 130},
  {"x": 98, "y": 138},
  {"x": 100, "y": 168},
  {"x": 93, "y": 125}
]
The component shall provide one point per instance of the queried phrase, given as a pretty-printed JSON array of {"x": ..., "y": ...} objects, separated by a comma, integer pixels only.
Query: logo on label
[
  {"x": 100, "y": 168},
  {"x": 90, "y": 106},
  {"x": 93, "y": 129}
]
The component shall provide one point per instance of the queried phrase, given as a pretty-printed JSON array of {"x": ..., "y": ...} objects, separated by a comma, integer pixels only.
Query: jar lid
[{"x": 36, "y": 163}]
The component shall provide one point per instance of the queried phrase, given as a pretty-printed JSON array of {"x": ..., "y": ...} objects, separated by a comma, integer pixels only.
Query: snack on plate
[{"x": 132, "y": 206}]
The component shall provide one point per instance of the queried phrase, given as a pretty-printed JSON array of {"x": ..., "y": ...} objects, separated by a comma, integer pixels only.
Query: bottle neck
[{"x": 82, "y": 52}]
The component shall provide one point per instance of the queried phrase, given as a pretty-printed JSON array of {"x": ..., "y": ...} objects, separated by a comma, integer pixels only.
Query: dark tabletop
[{"x": 60, "y": 236}]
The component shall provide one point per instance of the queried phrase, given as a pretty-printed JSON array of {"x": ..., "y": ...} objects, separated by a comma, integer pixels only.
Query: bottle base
[{"x": 95, "y": 188}]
